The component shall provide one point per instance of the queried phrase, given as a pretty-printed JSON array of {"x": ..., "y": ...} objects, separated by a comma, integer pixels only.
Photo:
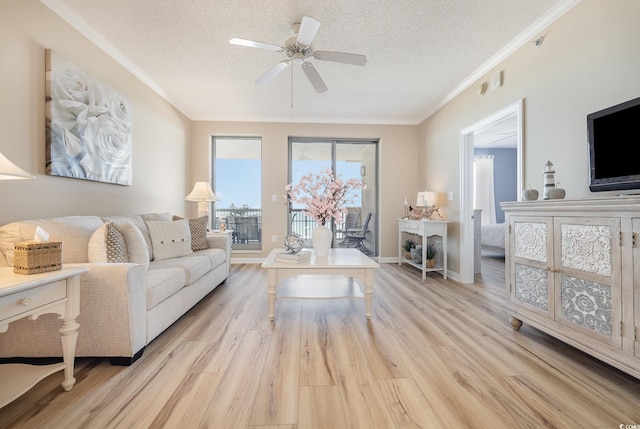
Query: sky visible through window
[{"x": 238, "y": 181}]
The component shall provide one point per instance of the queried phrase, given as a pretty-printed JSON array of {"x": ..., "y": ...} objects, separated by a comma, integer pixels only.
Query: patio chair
[
  {"x": 350, "y": 224},
  {"x": 247, "y": 229},
  {"x": 231, "y": 226},
  {"x": 355, "y": 238}
]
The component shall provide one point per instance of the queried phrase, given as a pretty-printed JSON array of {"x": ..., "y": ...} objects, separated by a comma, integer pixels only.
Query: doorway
[
  {"x": 347, "y": 158},
  {"x": 509, "y": 115}
]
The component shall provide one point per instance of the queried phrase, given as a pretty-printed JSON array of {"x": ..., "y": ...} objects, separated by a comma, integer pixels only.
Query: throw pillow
[
  {"x": 198, "y": 228},
  {"x": 107, "y": 244},
  {"x": 170, "y": 239},
  {"x": 136, "y": 244}
]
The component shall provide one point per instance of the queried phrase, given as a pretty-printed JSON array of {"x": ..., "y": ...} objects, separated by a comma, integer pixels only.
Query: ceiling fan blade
[
  {"x": 341, "y": 57},
  {"x": 254, "y": 44},
  {"x": 308, "y": 29},
  {"x": 272, "y": 72},
  {"x": 314, "y": 77}
]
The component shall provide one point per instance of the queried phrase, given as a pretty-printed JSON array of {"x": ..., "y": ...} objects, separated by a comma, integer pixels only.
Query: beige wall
[
  {"x": 161, "y": 135},
  {"x": 398, "y": 169},
  {"x": 589, "y": 61}
]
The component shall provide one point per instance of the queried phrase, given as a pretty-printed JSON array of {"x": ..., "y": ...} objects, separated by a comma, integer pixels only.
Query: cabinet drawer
[
  {"x": 22, "y": 302},
  {"x": 414, "y": 227}
]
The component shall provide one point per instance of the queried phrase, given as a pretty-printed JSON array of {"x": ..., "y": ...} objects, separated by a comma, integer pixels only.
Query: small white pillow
[
  {"x": 198, "y": 228},
  {"x": 170, "y": 239},
  {"x": 107, "y": 244},
  {"x": 136, "y": 244}
]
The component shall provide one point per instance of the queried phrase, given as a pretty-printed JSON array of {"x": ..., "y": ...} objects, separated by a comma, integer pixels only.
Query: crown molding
[
  {"x": 523, "y": 38},
  {"x": 96, "y": 38}
]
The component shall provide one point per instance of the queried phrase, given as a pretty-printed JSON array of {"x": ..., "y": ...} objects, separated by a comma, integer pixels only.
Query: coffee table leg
[
  {"x": 368, "y": 292},
  {"x": 271, "y": 293}
]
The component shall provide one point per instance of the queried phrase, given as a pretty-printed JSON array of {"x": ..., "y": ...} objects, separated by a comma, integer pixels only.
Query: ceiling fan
[{"x": 299, "y": 51}]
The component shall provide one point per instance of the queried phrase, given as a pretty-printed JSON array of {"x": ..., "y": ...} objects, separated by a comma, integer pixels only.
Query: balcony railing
[{"x": 301, "y": 224}]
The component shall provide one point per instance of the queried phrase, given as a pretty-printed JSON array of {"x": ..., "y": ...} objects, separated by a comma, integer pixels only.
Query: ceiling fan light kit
[{"x": 299, "y": 51}]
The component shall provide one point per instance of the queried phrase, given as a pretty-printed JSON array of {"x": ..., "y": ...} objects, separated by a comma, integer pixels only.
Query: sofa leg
[{"x": 126, "y": 361}]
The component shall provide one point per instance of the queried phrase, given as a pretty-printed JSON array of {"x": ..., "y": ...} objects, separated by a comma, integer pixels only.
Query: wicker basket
[{"x": 32, "y": 258}]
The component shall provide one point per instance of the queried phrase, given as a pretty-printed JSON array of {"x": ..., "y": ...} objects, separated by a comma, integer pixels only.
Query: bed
[
  {"x": 492, "y": 237},
  {"x": 487, "y": 237}
]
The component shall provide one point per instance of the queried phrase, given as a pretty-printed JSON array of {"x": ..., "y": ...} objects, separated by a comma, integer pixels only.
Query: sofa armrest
[
  {"x": 221, "y": 241},
  {"x": 115, "y": 296}
]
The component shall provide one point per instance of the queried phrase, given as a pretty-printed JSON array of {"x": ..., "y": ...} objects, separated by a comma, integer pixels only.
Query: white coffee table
[{"x": 350, "y": 263}]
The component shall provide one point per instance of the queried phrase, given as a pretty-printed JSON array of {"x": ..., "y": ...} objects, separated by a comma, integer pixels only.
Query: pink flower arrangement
[{"x": 323, "y": 195}]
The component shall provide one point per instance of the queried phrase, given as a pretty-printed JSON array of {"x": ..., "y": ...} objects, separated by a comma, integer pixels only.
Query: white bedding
[{"x": 493, "y": 235}]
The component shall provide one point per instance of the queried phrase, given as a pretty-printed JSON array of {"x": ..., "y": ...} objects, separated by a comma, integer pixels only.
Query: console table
[
  {"x": 425, "y": 228},
  {"x": 31, "y": 296}
]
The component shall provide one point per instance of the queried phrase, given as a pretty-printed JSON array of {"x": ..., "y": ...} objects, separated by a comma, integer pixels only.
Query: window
[{"x": 237, "y": 173}]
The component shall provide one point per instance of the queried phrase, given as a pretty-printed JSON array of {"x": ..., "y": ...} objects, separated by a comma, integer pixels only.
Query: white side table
[
  {"x": 30, "y": 296},
  {"x": 424, "y": 228}
]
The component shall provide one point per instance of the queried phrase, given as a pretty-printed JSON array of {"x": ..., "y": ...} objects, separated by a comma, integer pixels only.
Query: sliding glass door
[{"x": 347, "y": 159}]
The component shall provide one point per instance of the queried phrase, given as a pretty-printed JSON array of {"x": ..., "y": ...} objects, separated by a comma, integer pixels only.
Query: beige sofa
[{"x": 123, "y": 305}]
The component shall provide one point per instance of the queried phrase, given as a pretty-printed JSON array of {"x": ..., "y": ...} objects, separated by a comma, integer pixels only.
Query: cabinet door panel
[
  {"x": 588, "y": 246},
  {"x": 532, "y": 286},
  {"x": 587, "y": 304},
  {"x": 588, "y": 266},
  {"x": 636, "y": 285},
  {"x": 530, "y": 240}
]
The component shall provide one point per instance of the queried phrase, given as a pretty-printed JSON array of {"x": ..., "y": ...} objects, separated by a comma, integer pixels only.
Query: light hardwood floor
[{"x": 435, "y": 354}]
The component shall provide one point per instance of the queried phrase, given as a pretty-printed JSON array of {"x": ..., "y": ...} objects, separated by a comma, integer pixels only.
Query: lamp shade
[
  {"x": 10, "y": 171},
  {"x": 430, "y": 198},
  {"x": 202, "y": 192}
]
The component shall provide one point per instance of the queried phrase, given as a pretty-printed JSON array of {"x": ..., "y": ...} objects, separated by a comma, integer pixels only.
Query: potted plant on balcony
[{"x": 430, "y": 256}]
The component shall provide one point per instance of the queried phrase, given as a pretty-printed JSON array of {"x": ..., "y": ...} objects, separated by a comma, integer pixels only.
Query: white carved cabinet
[{"x": 570, "y": 270}]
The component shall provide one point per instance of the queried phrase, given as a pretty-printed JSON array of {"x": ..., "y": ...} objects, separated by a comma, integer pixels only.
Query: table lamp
[
  {"x": 428, "y": 200},
  {"x": 203, "y": 194},
  {"x": 10, "y": 171}
]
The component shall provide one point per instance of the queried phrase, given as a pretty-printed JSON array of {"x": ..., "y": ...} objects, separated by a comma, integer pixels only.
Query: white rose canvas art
[{"x": 88, "y": 125}]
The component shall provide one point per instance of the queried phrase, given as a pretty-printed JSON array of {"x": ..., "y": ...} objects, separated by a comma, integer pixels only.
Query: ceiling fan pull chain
[{"x": 292, "y": 87}]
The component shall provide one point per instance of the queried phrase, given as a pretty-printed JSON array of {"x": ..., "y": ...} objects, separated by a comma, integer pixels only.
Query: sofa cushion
[
  {"x": 73, "y": 231},
  {"x": 194, "y": 266},
  {"x": 216, "y": 256},
  {"x": 107, "y": 244},
  {"x": 137, "y": 221},
  {"x": 162, "y": 283},
  {"x": 141, "y": 222},
  {"x": 198, "y": 228},
  {"x": 136, "y": 245},
  {"x": 170, "y": 239}
]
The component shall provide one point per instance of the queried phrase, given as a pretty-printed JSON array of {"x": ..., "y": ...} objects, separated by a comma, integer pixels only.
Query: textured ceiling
[{"x": 420, "y": 52}]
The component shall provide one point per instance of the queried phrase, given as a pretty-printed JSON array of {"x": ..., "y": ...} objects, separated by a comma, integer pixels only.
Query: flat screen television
[{"x": 614, "y": 134}]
